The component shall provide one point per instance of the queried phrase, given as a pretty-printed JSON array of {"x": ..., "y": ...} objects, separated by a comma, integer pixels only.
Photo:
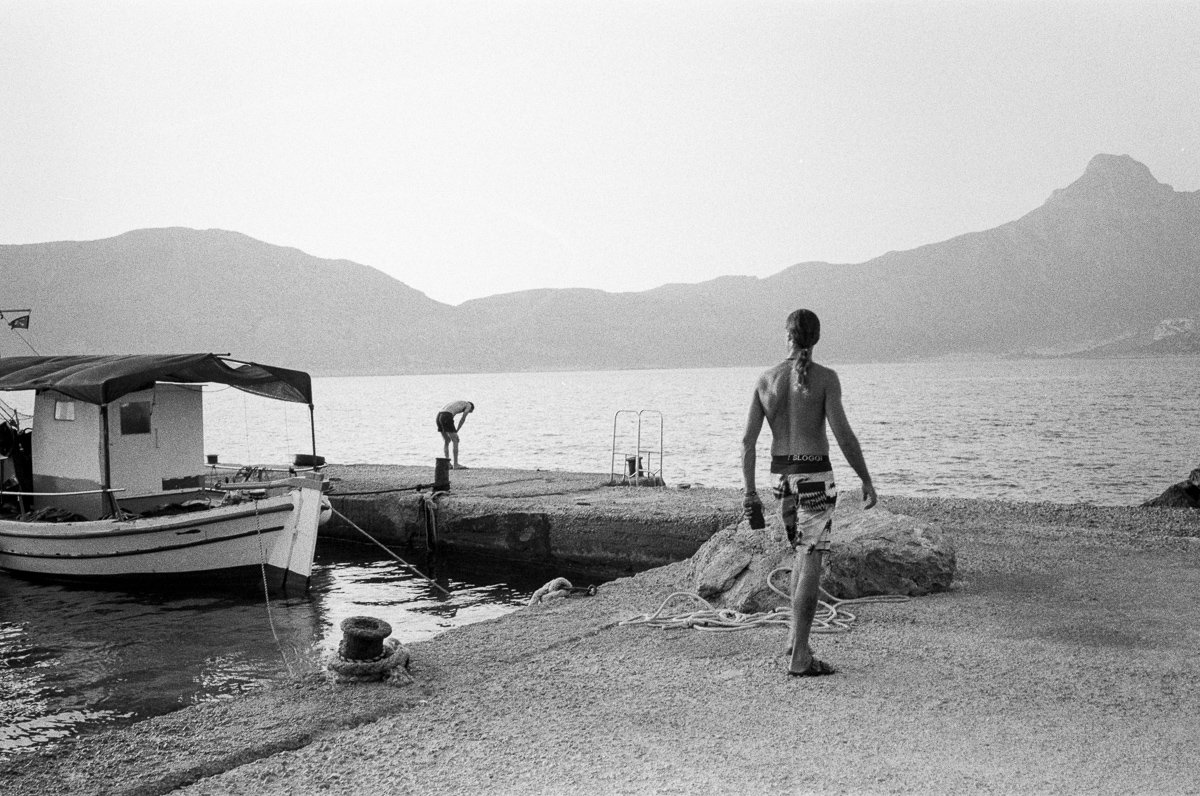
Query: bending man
[
  {"x": 449, "y": 429},
  {"x": 797, "y": 398}
]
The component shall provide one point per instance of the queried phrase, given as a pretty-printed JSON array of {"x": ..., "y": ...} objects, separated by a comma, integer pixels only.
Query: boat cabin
[
  {"x": 155, "y": 441},
  {"x": 121, "y": 429}
]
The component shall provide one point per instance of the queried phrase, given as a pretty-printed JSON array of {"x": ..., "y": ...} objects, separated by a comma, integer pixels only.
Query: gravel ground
[{"x": 1063, "y": 660}]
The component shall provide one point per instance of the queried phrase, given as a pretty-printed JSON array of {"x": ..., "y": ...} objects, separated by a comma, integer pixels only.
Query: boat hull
[{"x": 276, "y": 532}]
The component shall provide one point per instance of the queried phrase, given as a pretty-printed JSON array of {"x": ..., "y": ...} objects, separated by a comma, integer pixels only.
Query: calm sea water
[
  {"x": 73, "y": 660},
  {"x": 1106, "y": 432}
]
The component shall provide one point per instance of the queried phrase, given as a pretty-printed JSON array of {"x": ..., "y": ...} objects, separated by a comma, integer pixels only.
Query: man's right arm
[{"x": 754, "y": 421}]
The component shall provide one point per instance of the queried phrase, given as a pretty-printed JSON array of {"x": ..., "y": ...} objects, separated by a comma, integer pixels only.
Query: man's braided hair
[{"x": 804, "y": 330}]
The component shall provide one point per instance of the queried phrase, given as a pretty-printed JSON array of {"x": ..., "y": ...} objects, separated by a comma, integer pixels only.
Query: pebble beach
[{"x": 1063, "y": 659}]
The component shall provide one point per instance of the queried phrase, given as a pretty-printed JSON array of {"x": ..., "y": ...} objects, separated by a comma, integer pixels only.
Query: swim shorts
[
  {"x": 445, "y": 422},
  {"x": 807, "y": 495}
]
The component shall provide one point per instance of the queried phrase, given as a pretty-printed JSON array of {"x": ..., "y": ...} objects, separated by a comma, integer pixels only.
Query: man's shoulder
[
  {"x": 818, "y": 371},
  {"x": 775, "y": 371},
  {"x": 774, "y": 375}
]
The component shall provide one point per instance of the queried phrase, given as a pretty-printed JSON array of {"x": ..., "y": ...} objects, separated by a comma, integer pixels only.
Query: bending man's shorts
[
  {"x": 806, "y": 504},
  {"x": 445, "y": 422}
]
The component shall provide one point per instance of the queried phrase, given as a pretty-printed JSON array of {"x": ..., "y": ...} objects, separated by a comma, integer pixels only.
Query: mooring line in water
[
  {"x": 262, "y": 565},
  {"x": 428, "y": 579}
]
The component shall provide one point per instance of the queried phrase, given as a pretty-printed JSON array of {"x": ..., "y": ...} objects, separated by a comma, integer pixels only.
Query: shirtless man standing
[
  {"x": 448, "y": 429},
  {"x": 796, "y": 398}
]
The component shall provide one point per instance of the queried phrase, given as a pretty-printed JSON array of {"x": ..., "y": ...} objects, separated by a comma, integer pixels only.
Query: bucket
[
  {"x": 307, "y": 460},
  {"x": 441, "y": 473}
]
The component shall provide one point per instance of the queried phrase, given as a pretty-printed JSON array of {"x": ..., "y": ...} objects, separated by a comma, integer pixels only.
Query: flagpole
[{"x": 19, "y": 322}]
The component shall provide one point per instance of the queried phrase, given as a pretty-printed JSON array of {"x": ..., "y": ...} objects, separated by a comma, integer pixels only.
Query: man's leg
[
  {"x": 806, "y": 506},
  {"x": 454, "y": 448},
  {"x": 806, "y": 584},
  {"x": 445, "y": 445}
]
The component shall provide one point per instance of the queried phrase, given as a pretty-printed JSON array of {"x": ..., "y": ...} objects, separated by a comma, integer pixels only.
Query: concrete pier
[{"x": 567, "y": 521}]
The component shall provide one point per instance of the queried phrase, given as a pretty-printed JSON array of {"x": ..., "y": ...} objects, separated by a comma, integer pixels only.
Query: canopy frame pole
[
  {"x": 106, "y": 461},
  {"x": 312, "y": 427}
]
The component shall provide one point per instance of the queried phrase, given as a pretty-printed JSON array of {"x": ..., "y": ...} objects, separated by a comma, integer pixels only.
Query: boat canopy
[{"x": 103, "y": 379}]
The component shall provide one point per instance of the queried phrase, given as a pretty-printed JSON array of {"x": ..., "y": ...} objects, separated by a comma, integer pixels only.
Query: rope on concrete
[
  {"x": 557, "y": 589},
  {"x": 831, "y": 616},
  {"x": 391, "y": 666}
]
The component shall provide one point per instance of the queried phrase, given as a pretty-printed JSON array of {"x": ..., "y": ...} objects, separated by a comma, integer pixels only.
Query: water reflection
[{"x": 75, "y": 659}]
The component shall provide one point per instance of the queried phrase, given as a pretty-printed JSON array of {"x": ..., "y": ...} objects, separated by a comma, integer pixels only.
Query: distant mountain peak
[
  {"x": 1120, "y": 166},
  {"x": 1113, "y": 181}
]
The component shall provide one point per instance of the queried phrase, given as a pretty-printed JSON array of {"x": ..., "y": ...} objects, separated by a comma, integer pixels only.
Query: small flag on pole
[{"x": 19, "y": 323}]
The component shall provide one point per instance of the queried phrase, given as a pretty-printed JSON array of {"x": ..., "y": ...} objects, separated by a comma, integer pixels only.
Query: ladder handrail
[{"x": 638, "y": 472}]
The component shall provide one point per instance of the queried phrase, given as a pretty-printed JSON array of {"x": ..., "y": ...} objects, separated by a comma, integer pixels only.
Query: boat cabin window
[
  {"x": 135, "y": 417},
  {"x": 64, "y": 410}
]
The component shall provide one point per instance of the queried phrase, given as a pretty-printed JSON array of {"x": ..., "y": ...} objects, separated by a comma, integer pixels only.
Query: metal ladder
[{"x": 643, "y": 466}]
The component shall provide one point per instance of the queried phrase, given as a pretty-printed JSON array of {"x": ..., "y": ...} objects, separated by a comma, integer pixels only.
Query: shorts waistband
[{"x": 802, "y": 463}]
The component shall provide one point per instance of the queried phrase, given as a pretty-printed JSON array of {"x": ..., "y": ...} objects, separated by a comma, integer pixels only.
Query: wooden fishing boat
[{"x": 110, "y": 481}]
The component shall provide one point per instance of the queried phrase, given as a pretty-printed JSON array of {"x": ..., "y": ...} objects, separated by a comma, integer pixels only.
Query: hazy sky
[{"x": 472, "y": 148}]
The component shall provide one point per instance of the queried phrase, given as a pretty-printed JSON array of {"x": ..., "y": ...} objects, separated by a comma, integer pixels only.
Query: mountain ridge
[{"x": 1103, "y": 259}]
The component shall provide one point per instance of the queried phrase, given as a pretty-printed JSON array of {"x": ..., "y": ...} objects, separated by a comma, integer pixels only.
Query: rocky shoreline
[{"x": 1061, "y": 659}]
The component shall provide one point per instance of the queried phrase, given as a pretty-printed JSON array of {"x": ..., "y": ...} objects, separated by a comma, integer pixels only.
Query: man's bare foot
[
  {"x": 457, "y": 466},
  {"x": 815, "y": 668}
]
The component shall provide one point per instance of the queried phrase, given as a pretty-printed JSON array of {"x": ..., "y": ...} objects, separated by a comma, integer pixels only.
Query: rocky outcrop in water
[{"x": 1184, "y": 495}]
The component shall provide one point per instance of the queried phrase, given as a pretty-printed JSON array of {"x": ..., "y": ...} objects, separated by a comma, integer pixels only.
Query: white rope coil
[
  {"x": 554, "y": 590},
  {"x": 831, "y": 616}
]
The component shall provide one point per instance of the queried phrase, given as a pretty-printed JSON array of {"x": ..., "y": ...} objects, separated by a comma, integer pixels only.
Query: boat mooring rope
[
  {"x": 391, "y": 667},
  {"x": 388, "y": 550},
  {"x": 262, "y": 565},
  {"x": 831, "y": 616},
  {"x": 267, "y": 591}
]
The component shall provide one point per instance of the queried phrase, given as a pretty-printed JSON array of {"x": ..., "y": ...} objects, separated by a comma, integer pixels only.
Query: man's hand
[
  {"x": 752, "y": 509},
  {"x": 869, "y": 496}
]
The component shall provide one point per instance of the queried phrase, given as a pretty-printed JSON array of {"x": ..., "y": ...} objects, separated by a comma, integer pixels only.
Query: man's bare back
[{"x": 796, "y": 418}]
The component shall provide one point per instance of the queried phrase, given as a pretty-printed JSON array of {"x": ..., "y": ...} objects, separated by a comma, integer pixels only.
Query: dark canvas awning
[{"x": 104, "y": 379}]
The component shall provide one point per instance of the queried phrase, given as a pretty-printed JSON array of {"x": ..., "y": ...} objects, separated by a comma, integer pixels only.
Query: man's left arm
[{"x": 846, "y": 439}]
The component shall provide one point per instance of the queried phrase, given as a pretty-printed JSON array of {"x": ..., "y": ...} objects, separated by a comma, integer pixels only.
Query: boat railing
[
  {"x": 21, "y": 495},
  {"x": 252, "y": 473},
  {"x": 4, "y": 492},
  {"x": 253, "y": 486},
  {"x": 256, "y": 486}
]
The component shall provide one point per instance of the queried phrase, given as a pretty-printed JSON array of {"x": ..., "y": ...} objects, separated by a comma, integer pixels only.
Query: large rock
[
  {"x": 730, "y": 570},
  {"x": 888, "y": 554},
  {"x": 872, "y": 552}
]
